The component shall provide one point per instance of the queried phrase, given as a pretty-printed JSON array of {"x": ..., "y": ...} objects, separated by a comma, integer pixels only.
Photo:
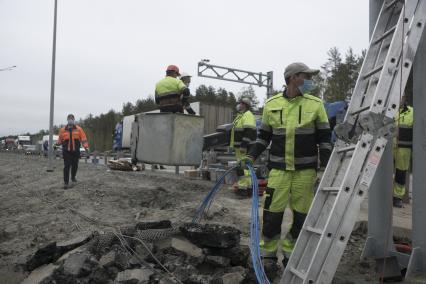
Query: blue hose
[
  {"x": 205, "y": 205},
  {"x": 254, "y": 223},
  {"x": 255, "y": 231}
]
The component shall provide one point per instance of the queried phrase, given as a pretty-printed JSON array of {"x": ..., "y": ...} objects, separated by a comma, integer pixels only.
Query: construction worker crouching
[
  {"x": 296, "y": 125},
  {"x": 243, "y": 135},
  {"x": 402, "y": 151},
  {"x": 170, "y": 91},
  {"x": 71, "y": 137}
]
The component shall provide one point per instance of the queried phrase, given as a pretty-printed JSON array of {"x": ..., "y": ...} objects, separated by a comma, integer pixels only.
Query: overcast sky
[{"x": 110, "y": 51}]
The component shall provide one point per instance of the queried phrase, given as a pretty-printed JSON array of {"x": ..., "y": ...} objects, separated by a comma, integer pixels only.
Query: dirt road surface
[{"x": 35, "y": 210}]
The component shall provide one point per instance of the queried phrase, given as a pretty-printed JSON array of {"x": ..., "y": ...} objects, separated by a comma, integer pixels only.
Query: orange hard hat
[{"x": 173, "y": 68}]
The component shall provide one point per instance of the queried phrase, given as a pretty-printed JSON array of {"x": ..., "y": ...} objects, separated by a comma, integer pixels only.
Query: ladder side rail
[
  {"x": 411, "y": 44},
  {"x": 376, "y": 81},
  {"x": 412, "y": 41},
  {"x": 373, "y": 52},
  {"x": 316, "y": 207},
  {"x": 389, "y": 98},
  {"x": 381, "y": 87},
  {"x": 391, "y": 107},
  {"x": 321, "y": 218},
  {"x": 337, "y": 249},
  {"x": 287, "y": 276},
  {"x": 343, "y": 200},
  {"x": 392, "y": 64}
]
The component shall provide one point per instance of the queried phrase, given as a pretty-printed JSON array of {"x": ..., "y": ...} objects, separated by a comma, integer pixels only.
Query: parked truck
[
  {"x": 10, "y": 143},
  {"x": 22, "y": 141}
]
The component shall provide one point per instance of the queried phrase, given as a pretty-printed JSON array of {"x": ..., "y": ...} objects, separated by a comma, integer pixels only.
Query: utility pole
[
  {"x": 205, "y": 69},
  {"x": 52, "y": 93}
]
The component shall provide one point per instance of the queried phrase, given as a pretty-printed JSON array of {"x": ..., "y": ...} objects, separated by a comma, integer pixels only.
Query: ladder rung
[
  {"x": 384, "y": 35},
  {"x": 314, "y": 230},
  {"x": 374, "y": 71},
  {"x": 346, "y": 149},
  {"x": 330, "y": 189},
  {"x": 298, "y": 273},
  {"x": 360, "y": 110}
]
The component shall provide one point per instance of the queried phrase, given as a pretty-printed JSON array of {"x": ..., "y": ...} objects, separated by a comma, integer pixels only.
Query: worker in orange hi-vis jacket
[{"x": 71, "y": 137}]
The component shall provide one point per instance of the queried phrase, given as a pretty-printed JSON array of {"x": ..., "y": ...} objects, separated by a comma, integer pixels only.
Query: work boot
[
  {"x": 397, "y": 202},
  {"x": 270, "y": 266},
  {"x": 66, "y": 186}
]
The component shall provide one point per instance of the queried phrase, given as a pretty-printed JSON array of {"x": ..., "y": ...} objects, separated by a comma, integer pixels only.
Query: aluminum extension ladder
[{"x": 368, "y": 126}]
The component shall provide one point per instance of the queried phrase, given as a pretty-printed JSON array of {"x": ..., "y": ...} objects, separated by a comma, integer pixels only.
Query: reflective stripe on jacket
[
  {"x": 243, "y": 132},
  {"x": 405, "y": 127},
  {"x": 297, "y": 128},
  {"x": 72, "y": 137}
]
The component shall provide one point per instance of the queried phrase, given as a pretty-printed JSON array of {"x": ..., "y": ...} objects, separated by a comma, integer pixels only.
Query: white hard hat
[
  {"x": 246, "y": 101},
  {"x": 184, "y": 74}
]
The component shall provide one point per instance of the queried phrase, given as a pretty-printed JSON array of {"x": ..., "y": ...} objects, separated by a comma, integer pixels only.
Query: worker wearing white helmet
[{"x": 186, "y": 79}]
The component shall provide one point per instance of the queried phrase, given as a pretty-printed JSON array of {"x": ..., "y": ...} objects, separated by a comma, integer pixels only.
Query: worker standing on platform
[
  {"x": 297, "y": 125},
  {"x": 243, "y": 135},
  {"x": 402, "y": 151},
  {"x": 186, "y": 79},
  {"x": 170, "y": 91}
]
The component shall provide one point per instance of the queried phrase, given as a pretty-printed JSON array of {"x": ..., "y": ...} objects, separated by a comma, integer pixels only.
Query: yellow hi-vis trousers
[
  {"x": 402, "y": 158},
  {"x": 295, "y": 188},
  {"x": 245, "y": 180}
]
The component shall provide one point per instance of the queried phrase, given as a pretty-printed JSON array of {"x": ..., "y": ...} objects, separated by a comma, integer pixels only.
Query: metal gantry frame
[{"x": 205, "y": 69}]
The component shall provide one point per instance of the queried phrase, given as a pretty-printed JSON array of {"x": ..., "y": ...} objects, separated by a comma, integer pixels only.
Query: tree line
[{"x": 335, "y": 82}]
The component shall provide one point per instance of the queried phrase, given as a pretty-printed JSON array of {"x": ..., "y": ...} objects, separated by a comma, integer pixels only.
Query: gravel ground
[{"x": 35, "y": 210}]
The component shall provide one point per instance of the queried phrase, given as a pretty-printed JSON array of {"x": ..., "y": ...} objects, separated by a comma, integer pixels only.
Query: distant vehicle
[
  {"x": 31, "y": 150},
  {"x": 10, "y": 143},
  {"x": 22, "y": 141}
]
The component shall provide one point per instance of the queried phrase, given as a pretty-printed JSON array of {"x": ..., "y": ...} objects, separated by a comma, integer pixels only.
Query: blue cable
[
  {"x": 205, "y": 204},
  {"x": 255, "y": 231},
  {"x": 254, "y": 223}
]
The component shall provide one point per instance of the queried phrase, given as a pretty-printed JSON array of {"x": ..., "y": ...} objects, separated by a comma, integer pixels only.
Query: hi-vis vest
[
  {"x": 243, "y": 132},
  {"x": 169, "y": 90},
  {"x": 296, "y": 128},
  {"x": 405, "y": 127},
  {"x": 72, "y": 137}
]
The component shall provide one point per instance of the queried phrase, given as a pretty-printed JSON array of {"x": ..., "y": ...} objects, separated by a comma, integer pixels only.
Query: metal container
[{"x": 170, "y": 139}]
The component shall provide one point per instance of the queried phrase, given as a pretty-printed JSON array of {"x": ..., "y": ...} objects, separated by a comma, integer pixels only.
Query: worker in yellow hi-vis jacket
[
  {"x": 243, "y": 135},
  {"x": 296, "y": 125},
  {"x": 402, "y": 151}
]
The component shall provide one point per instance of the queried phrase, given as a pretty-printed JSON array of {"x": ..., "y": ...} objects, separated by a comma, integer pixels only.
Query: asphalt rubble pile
[{"x": 149, "y": 252}]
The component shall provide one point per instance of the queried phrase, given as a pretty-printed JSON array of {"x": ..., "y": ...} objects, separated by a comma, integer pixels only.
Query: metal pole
[
  {"x": 379, "y": 242},
  {"x": 52, "y": 93},
  {"x": 270, "y": 84},
  {"x": 417, "y": 265}
]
